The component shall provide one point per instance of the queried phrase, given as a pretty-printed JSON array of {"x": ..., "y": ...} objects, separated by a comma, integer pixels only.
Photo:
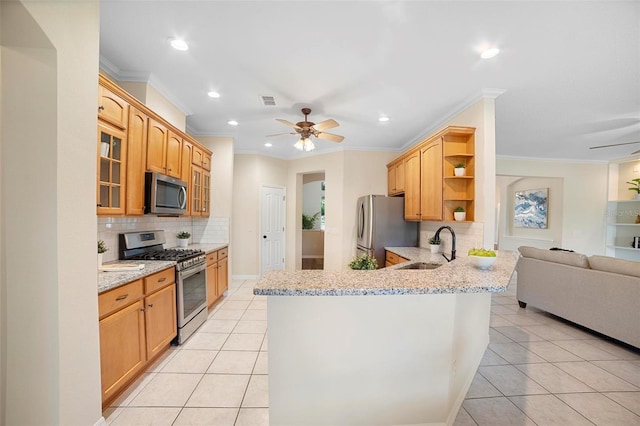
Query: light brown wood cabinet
[
  {"x": 185, "y": 171},
  {"x": 395, "y": 178},
  {"x": 163, "y": 150},
  {"x": 217, "y": 275},
  {"x": 112, "y": 108},
  {"x": 393, "y": 259},
  {"x": 136, "y": 153},
  {"x": 112, "y": 148},
  {"x": 431, "y": 190},
  {"x": 200, "y": 185},
  {"x": 138, "y": 321}
]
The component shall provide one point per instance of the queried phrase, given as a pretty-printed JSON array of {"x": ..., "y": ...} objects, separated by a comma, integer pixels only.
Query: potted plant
[
  {"x": 435, "y": 244},
  {"x": 636, "y": 187},
  {"x": 102, "y": 249},
  {"x": 459, "y": 169},
  {"x": 308, "y": 222},
  {"x": 364, "y": 262},
  {"x": 459, "y": 214},
  {"x": 183, "y": 238}
]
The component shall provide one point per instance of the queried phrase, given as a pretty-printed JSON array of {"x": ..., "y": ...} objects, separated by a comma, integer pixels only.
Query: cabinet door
[
  {"x": 196, "y": 191},
  {"x": 111, "y": 170},
  {"x": 136, "y": 152},
  {"x": 431, "y": 181},
  {"x": 206, "y": 193},
  {"x": 206, "y": 161},
  {"x": 400, "y": 177},
  {"x": 391, "y": 180},
  {"x": 122, "y": 348},
  {"x": 161, "y": 320},
  {"x": 412, "y": 187},
  {"x": 172, "y": 157},
  {"x": 156, "y": 146},
  {"x": 112, "y": 108},
  {"x": 223, "y": 275},
  {"x": 197, "y": 156},
  {"x": 212, "y": 284},
  {"x": 185, "y": 171}
]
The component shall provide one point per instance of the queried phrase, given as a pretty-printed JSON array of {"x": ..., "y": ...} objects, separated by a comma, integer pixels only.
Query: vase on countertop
[
  {"x": 183, "y": 242},
  {"x": 637, "y": 196},
  {"x": 435, "y": 248}
]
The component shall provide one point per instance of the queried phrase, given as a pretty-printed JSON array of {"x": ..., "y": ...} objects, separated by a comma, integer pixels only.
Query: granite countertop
[
  {"x": 110, "y": 280},
  {"x": 458, "y": 276}
]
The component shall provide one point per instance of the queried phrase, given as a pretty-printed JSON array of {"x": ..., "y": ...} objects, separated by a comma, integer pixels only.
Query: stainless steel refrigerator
[{"x": 381, "y": 224}]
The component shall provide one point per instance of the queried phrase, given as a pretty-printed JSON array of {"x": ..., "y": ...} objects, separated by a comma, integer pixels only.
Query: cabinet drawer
[
  {"x": 157, "y": 281},
  {"x": 402, "y": 259},
  {"x": 212, "y": 258},
  {"x": 392, "y": 258},
  {"x": 118, "y": 298},
  {"x": 222, "y": 253}
]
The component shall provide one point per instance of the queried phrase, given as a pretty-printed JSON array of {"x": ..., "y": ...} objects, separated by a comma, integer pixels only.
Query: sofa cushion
[
  {"x": 617, "y": 266},
  {"x": 563, "y": 257}
]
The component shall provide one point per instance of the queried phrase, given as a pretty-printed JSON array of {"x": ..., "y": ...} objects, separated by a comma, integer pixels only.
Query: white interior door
[{"x": 272, "y": 228}]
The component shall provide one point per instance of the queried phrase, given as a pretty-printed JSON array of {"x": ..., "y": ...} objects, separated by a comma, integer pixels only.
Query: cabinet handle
[
  {"x": 119, "y": 298},
  {"x": 163, "y": 279},
  {"x": 101, "y": 108},
  {"x": 150, "y": 305},
  {"x": 142, "y": 309},
  {"x": 99, "y": 205},
  {"x": 170, "y": 169}
]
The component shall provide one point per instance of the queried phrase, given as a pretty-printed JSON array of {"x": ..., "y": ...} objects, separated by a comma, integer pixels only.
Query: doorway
[
  {"x": 272, "y": 235},
  {"x": 313, "y": 219}
]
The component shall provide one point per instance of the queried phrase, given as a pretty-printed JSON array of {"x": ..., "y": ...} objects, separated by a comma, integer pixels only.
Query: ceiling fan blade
[
  {"x": 330, "y": 136},
  {"x": 326, "y": 124},
  {"x": 635, "y": 152},
  {"x": 614, "y": 144},
  {"x": 288, "y": 123},
  {"x": 280, "y": 134}
]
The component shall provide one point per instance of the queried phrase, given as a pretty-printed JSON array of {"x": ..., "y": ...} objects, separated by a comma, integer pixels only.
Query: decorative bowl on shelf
[{"x": 482, "y": 262}]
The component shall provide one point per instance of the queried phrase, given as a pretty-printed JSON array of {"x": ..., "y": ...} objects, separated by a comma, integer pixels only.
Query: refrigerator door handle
[{"x": 361, "y": 221}]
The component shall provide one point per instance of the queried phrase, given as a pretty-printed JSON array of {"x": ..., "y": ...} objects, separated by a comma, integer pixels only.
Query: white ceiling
[{"x": 570, "y": 71}]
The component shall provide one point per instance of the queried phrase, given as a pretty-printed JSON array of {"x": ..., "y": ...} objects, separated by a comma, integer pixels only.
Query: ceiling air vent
[{"x": 268, "y": 100}]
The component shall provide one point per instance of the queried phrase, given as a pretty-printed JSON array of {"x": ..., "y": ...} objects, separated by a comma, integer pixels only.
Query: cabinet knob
[
  {"x": 99, "y": 205},
  {"x": 150, "y": 305},
  {"x": 100, "y": 108},
  {"x": 142, "y": 309}
]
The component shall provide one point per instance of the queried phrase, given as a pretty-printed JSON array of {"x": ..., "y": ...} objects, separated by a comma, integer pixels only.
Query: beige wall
[
  {"x": 584, "y": 201},
  {"x": 148, "y": 95},
  {"x": 50, "y": 369},
  {"x": 627, "y": 171},
  {"x": 221, "y": 173}
]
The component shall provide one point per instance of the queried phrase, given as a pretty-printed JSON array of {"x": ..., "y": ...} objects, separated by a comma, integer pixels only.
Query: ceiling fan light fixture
[{"x": 308, "y": 145}]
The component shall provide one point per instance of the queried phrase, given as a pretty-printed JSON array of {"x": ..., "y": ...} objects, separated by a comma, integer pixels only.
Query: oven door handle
[{"x": 186, "y": 273}]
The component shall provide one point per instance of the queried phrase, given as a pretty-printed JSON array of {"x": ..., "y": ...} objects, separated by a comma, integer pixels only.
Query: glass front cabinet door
[{"x": 111, "y": 170}]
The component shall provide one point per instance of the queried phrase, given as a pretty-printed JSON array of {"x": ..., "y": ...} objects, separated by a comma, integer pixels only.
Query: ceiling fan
[
  {"x": 618, "y": 144},
  {"x": 308, "y": 128}
]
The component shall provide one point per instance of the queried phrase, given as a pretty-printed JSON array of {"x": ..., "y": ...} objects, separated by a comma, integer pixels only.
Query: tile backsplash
[
  {"x": 468, "y": 235},
  {"x": 210, "y": 230}
]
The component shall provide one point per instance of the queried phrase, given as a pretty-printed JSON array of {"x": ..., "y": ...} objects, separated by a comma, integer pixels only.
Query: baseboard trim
[{"x": 244, "y": 277}]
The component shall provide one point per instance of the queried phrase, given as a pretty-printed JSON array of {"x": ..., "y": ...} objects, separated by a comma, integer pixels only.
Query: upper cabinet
[
  {"x": 431, "y": 187},
  {"x": 132, "y": 139}
]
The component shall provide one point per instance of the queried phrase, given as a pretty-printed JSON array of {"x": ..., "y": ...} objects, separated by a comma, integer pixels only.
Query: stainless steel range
[{"x": 191, "y": 275}]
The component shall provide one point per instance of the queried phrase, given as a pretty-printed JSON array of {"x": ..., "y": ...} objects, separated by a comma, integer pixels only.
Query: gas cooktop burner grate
[{"x": 168, "y": 254}]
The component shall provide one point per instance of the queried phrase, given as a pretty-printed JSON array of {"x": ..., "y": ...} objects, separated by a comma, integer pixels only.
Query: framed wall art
[{"x": 530, "y": 208}]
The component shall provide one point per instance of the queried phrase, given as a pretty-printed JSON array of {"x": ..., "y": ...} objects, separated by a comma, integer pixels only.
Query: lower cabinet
[
  {"x": 136, "y": 326},
  {"x": 217, "y": 275},
  {"x": 393, "y": 259}
]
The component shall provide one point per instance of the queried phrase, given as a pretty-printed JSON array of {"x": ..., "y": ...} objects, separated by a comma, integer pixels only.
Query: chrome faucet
[{"x": 453, "y": 242}]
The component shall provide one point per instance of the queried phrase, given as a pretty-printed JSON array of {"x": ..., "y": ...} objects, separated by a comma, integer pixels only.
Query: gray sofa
[{"x": 598, "y": 292}]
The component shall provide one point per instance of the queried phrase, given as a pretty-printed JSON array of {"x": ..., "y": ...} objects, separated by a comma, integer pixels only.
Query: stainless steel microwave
[{"x": 164, "y": 194}]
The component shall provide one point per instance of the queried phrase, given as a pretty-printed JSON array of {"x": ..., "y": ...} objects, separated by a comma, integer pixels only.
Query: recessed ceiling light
[
  {"x": 179, "y": 44},
  {"x": 383, "y": 118},
  {"x": 268, "y": 144},
  {"x": 213, "y": 94},
  {"x": 489, "y": 53},
  {"x": 232, "y": 122}
]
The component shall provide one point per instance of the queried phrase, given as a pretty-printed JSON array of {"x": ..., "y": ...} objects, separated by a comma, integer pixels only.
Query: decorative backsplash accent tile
[{"x": 211, "y": 230}]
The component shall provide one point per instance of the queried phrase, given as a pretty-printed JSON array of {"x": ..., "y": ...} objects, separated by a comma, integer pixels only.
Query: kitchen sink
[{"x": 421, "y": 265}]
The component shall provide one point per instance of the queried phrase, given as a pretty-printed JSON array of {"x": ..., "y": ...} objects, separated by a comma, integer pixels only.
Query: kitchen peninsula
[{"x": 391, "y": 346}]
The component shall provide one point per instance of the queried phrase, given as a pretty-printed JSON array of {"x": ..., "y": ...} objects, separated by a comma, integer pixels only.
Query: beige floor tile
[
  {"x": 262, "y": 363},
  {"x": 235, "y": 305},
  {"x": 243, "y": 342},
  {"x": 191, "y": 361},
  {"x": 510, "y": 381},
  {"x": 549, "y": 410},
  {"x": 257, "y": 392},
  {"x": 496, "y": 412},
  {"x": 162, "y": 360},
  {"x": 464, "y": 419},
  {"x": 504, "y": 309},
  {"x": 133, "y": 390},
  {"x": 234, "y": 362},
  {"x": 548, "y": 332},
  {"x": 501, "y": 300},
  {"x": 481, "y": 388},
  {"x": 219, "y": 390},
  {"x": 553, "y": 379},
  {"x": 616, "y": 349},
  {"x": 518, "y": 334},
  {"x": 515, "y": 353},
  {"x": 498, "y": 321},
  {"x": 244, "y": 291},
  {"x": 254, "y": 315},
  {"x": 586, "y": 350},
  {"x": 600, "y": 409},
  {"x": 205, "y": 341},
  {"x": 241, "y": 296},
  {"x": 206, "y": 417},
  {"x": 265, "y": 344},
  {"x": 167, "y": 390},
  {"x": 228, "y": 314},
  {"x": 629, "y": 400},
  {"x": 492, "y": 358},
  {"x": 626, "y": 370},
  {"x": 246, "y": 326},
  {"x": 258, "y": 304},
  {"x": 596, "y": 377},
  {"x": 496, "y": 337},
  {"x": 253, "y": 417},
  {"x": 550, "y": 351},
  {"x": 526, "y": 320},
  {"x": 111, "y": 413},
  {"x": 147, "y": 416},
  {"x": 218, "y": 326}
]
